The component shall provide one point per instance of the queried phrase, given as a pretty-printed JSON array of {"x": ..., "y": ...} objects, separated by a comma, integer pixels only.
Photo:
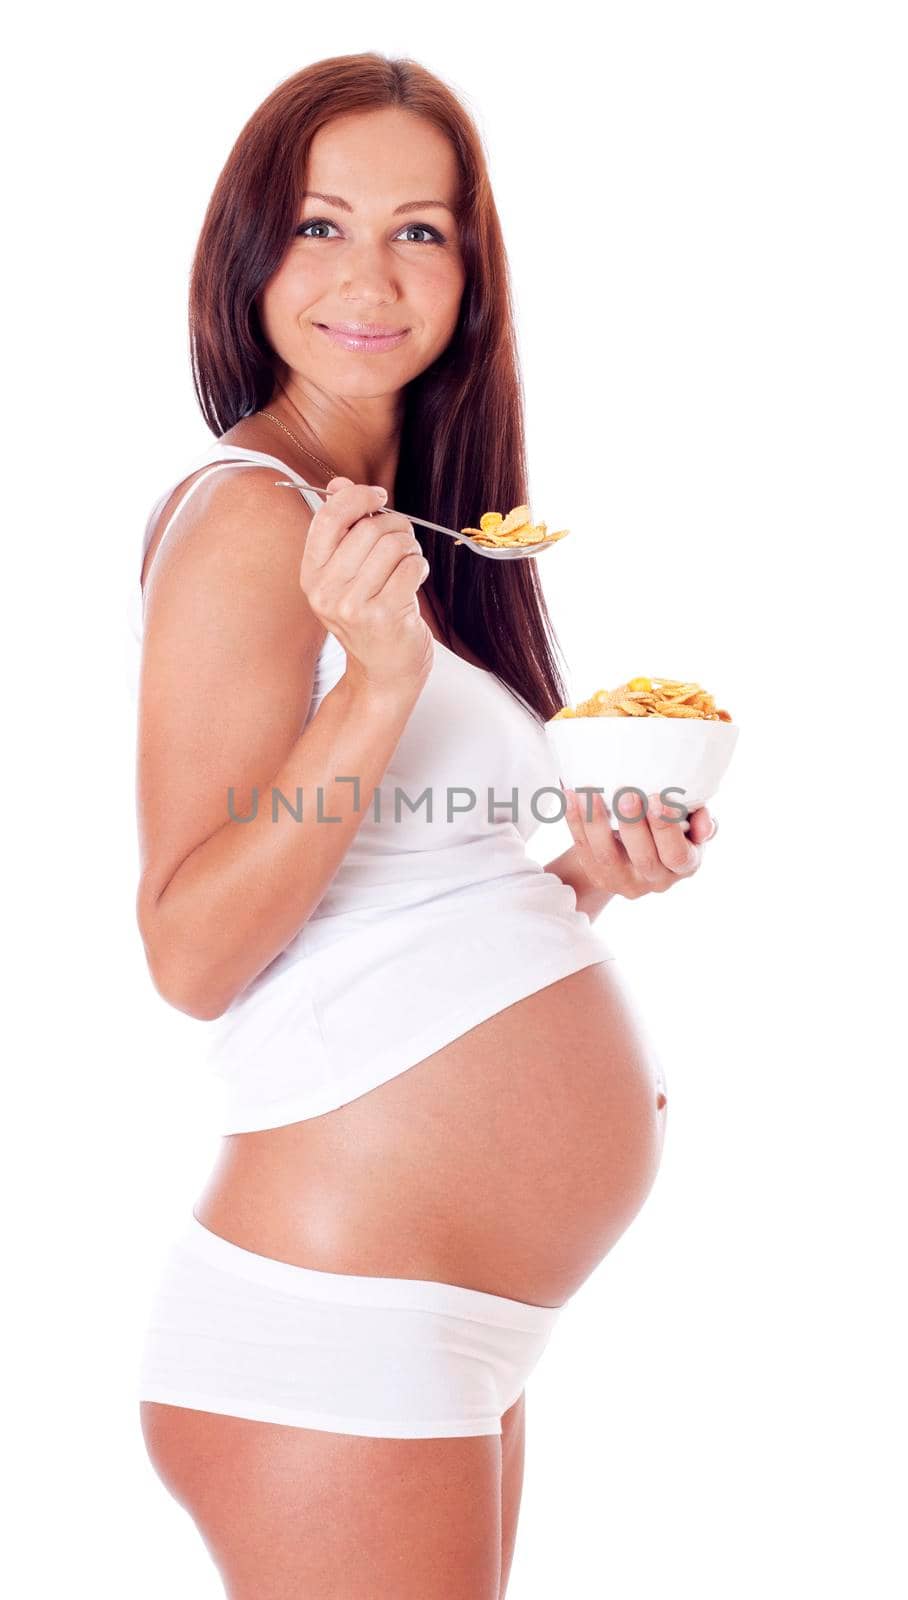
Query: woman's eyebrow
[{"x": 409, "y": 205}]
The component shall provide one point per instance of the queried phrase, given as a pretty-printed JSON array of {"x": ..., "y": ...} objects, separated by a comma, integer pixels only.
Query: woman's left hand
[{"x": 650, "y": 850}]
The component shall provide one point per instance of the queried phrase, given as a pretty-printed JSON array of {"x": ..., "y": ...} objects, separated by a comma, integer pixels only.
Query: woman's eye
[
  {"x": 423, "y": 227},
  {"x": 411, "y": 227},
  {"x": 315, "y": 223}
]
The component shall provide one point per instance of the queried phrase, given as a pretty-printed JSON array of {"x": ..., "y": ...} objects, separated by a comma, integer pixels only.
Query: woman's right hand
[{"x": 360, "y": 574}]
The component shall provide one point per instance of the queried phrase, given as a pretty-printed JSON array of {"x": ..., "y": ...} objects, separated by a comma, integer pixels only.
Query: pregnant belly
[{"x": 509, "y": 1161}]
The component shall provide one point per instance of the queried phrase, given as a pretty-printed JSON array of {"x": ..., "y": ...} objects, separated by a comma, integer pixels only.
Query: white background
[{"x": 704, "y": 207}]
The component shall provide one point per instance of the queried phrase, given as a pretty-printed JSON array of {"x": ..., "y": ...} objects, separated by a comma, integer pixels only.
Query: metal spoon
[{"x": 515, "y": 552}]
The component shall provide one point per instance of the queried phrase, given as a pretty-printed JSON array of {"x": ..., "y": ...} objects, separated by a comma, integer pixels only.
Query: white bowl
[{"x": 681, "y": 758}]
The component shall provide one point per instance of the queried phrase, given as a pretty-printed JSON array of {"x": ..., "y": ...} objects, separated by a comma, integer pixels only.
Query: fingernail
[{"x": 380, "y": 489}]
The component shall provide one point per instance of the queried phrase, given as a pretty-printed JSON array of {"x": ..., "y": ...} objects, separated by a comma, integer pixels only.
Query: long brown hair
[{"x": 462, "y": 445}]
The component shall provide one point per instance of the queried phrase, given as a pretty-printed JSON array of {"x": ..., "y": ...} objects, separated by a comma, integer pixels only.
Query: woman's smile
[{"x": 357, "y": 340}]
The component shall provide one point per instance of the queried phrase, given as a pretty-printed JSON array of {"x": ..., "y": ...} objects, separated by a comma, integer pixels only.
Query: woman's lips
[{"x": 361, "y": 341}]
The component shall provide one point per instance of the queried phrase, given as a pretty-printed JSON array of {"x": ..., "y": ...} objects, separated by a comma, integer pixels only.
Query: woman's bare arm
[{"x": 229, "y": 658}]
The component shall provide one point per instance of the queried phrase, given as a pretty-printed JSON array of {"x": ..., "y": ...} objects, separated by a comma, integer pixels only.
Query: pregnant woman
[{"x": 439, "y": 1112}]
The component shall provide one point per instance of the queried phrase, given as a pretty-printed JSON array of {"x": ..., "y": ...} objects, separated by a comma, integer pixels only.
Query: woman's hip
[{"x": 233, "y": 1331}]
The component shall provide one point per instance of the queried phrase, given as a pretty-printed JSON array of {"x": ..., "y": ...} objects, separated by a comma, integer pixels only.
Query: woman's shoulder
[{"x": 232, "y": 506}]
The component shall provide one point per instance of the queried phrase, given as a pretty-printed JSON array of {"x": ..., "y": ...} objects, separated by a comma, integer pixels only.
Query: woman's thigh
[
  {"x": 513, "y": 1450},
  {"x": 286, "y": 1511}
]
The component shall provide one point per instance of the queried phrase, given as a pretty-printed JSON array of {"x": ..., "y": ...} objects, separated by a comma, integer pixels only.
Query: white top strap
[{"x": 226, "y": 455}]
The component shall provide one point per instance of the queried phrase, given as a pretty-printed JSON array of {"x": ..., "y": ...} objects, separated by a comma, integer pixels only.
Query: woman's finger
[
  {"x": 598, "y": 848},
  {"x": 637, "y": 838},
  {"x": 676, "y": 850},
  {"x": 702, "y": 826}
]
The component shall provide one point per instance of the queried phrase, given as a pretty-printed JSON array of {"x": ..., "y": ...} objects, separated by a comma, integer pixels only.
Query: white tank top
[{"x": 436, "y": 918}]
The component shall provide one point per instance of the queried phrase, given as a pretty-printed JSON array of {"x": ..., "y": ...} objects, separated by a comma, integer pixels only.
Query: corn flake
[
  {"x": 649, "y": 697},
  {"x": 498, "y": 532}
]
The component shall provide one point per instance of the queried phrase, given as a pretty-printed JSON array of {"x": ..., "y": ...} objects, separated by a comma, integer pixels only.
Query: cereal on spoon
[{"x": 515, "y": 528}]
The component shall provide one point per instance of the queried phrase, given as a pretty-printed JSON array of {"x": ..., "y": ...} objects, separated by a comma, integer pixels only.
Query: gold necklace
[{"x": 326, "y": 464}]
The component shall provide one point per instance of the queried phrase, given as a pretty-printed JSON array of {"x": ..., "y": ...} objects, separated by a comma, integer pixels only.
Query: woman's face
[{"x": 369, "y": 255}]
